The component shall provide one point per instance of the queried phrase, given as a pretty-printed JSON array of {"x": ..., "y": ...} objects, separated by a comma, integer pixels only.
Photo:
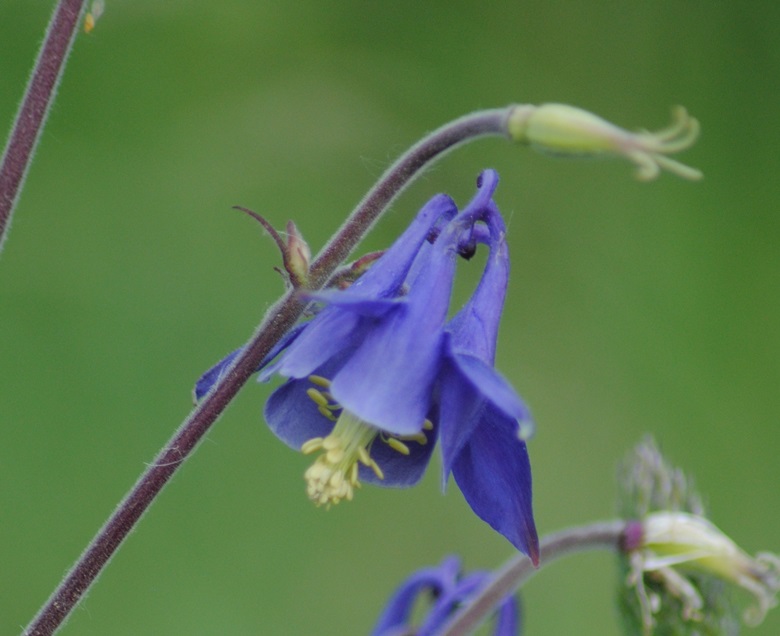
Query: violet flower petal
[{"x": 494, "y": 474}]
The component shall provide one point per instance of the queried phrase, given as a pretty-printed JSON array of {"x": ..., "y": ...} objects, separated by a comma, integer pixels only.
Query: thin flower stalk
[
  {"x": 607, "y": 535},
  {"x": 34, "y": 109}
]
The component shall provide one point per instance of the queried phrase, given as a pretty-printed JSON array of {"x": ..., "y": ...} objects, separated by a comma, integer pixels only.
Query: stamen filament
[
  {"x": 364, "y": 457},
  {"x": 309, "y": 447},
  {"x": 397, "y": 445},
  {"x": 420, "y": 438},
  {"x": 319, "y": 381},
  {"x": 317, "y": 397},
  {"x": 325, "y": 411}
]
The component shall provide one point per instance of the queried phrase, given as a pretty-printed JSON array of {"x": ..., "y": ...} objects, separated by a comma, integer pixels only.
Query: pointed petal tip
[
  {"x": 534, "y": 555},
  {"x": 531, "y": 546}
]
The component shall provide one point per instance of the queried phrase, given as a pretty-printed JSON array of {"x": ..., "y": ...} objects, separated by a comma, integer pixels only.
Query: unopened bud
[
  {"x": 297, "y": 255},
  {"x": 569, "y": 131},
  {"x": 678, "y": 541}
]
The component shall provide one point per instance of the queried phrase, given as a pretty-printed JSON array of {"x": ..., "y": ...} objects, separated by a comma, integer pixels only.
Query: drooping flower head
[
  {"x": 448, "y": 589},
  {"x": 378, "y": 374},
  {"x": 361, "y": 373}
]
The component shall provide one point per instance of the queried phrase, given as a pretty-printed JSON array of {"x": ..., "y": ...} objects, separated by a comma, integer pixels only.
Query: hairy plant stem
[
  {"x": 34, "y": 108},
  {"x": 603, "y": 535},
  {"x": 275, "y": 324}
]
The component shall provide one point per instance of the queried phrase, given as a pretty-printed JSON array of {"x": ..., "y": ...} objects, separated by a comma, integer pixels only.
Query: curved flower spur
[{"x": 378, "y": 374}]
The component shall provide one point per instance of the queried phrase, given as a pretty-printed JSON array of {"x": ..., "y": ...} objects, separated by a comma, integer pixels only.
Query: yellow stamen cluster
[{"x": 334, "y": 474}]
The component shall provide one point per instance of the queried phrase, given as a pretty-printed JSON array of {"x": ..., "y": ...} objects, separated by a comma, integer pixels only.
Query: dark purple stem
[
  {"x": 275, "y": 324},
  {"x": 35, "y": 106},
  {"x": 607, "y": 535}
]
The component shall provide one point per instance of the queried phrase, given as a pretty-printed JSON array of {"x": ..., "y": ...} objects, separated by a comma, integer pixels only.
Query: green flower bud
[
  {"x": 677, "y": 565},
  {"x": 680, "y": 542},
  {"x": 296, "y": 255},
  {"x": 569, "y": 131}
]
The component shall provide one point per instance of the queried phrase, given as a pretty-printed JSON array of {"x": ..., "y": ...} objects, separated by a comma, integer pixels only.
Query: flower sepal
[{"x": 296, "y": 255}]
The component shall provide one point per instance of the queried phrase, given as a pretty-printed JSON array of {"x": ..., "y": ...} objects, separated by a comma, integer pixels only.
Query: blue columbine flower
[
  {"x": 378, "y": 374},
  {"x": 448, "y": 590},
  {"x": 362, "y": 374}
]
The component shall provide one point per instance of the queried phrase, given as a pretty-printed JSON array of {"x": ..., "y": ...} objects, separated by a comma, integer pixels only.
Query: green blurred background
[{"x": 634, "y": 307}]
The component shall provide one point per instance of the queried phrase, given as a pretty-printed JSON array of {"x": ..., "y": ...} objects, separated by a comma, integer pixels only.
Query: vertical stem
[
  {"x": 275, "y": 324},
  {"x": 34, "y": 108}
]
